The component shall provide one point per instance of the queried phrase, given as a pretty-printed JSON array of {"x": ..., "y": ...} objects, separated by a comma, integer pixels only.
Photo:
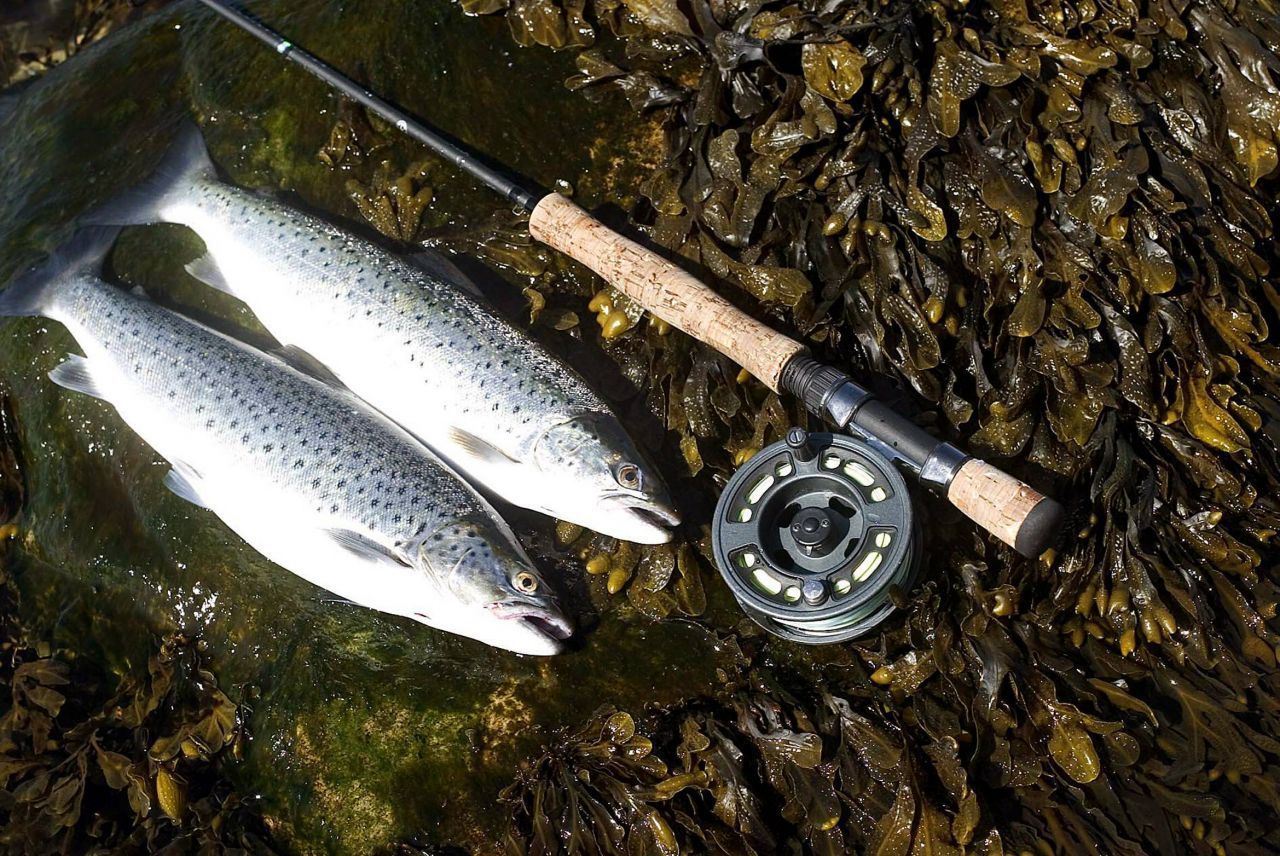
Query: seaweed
[
  {"x": 1045, "y": 231},
  {"x": 87, "y": 769},
  {"x": 1045, "y": 228},
  {"x": 82, "y": 771},
  {"x": 35, "y": 40}
]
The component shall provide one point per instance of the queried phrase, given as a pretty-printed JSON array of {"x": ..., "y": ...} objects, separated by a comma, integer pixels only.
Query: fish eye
[
  {"x": 525, "y": 582},
  {"x": 628, "y": 475}
]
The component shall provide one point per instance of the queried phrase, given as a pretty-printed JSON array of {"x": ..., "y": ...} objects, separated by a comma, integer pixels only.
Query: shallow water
[{"x": 368, "y": 729}]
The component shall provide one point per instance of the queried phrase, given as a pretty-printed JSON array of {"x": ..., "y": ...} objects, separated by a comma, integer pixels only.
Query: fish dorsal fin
[
  {"x": 366, "y": 548},
  {"x": 207, "y": 271},
  {"x": 439, "y": 266},
  {"x": 481, "y": 451},
  {"x": 184, "y": 481},
  {"x": 309, "y": 365},
  {"x": 75, "y": 375}
]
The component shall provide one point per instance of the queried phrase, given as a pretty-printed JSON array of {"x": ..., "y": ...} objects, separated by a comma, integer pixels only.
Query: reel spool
[{"x": 811, "y": 533}]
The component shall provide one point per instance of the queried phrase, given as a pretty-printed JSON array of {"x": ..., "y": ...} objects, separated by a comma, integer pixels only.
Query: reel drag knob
[{"x": 811, "y": 534}]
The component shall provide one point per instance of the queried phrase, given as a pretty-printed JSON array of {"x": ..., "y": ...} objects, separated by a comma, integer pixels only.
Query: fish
[
  {"x": 308, "y": 475},
  {"x": 416, "y": 345}
]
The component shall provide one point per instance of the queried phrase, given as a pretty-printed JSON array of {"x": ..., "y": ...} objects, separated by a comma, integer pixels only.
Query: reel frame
[{"x": 811, "y": 534}]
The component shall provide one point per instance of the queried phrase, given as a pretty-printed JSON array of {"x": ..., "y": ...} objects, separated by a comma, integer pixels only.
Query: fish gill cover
[{"x": 1052, "y": 223}]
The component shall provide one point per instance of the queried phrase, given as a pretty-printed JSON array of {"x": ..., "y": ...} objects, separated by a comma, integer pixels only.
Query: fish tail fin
[
  {"x": 35, "y": 291},
  {"x": 186, "y": 163}
]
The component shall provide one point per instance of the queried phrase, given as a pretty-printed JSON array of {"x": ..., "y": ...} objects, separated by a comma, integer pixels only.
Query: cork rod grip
[
  {"x": 1012, "y": 511},
  {"x": 668, "y": 292}
]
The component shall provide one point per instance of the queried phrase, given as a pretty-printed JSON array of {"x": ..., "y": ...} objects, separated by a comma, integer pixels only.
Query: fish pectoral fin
[
  {"x": 184, "y": 481},
  {"x": 479, "y": 450},
  {"x": 366, "y": 548},
  {"x": 76, "y": 376},
  {"x": 309, "y": 365},
  {"x": 207, "y": 271}
]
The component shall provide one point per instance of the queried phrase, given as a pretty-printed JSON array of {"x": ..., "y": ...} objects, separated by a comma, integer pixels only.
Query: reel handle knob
[
  {"x": 1009, "y": 509},
  {"x": 798, "y": 443}
]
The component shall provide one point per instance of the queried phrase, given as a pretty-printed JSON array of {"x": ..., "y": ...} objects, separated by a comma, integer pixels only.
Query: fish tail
[
  {"x": 34, "y": 292},
  {"x": 186, "y": 163}
]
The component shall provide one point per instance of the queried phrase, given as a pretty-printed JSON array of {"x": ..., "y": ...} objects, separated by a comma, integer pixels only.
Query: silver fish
[
  {"x": 308, "y": 475},
  {"x": 476, "y": 389}
]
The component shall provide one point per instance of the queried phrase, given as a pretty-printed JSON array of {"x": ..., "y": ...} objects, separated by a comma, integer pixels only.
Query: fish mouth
[
  {"x": 641, "y": 520},
  {"x": 546, "y": 622}
]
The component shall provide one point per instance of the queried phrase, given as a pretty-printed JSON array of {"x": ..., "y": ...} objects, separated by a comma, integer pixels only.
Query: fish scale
[
  {"x": 287, "y": 425},
  {"x": 438, "y": 336},
  {"x": 309, "y": 475},
  {"x": 405, "y": 337}
]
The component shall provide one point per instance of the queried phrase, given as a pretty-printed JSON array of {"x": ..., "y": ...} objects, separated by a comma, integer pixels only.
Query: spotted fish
[
  {"x": 308, "y": 475},
  {"x": 407, "y": 339}
]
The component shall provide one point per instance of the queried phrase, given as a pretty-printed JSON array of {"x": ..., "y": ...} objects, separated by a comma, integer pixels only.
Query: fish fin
[
  {"x": 183, "y": 480},
  {"x": 304, "y": 362},
  {"x": 76, "y": 376},
  {"x": 439, "y": 266},
  {"x": 186, "y": 162},
  {"x": 479, "y": 450},
  {"x": 33, "y": 292},
  {"x": 366, "y": 548},
  {"x": 207, "y": 271}
]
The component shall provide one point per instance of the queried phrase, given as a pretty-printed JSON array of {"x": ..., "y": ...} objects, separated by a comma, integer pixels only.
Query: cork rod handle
[
  {"x": 996, "y": 501},
  {"x": 1010, "y": 510},
  {"x": 664, "y": 289}
]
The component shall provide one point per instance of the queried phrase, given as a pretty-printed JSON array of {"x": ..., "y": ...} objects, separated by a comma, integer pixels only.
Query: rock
[{"x": 369, "y": 728}]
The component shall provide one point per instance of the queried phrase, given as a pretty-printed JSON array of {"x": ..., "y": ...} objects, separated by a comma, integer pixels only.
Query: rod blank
[{"x": 445, "y": 148}]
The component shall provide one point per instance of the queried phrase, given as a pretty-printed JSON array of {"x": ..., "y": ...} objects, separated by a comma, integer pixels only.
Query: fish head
[
  {"x": 495, "y": 593},
  {"x": 606, "y": 484}
]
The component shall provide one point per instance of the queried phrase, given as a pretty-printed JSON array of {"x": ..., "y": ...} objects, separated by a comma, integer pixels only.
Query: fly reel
[{"x": 810, "y": 535}]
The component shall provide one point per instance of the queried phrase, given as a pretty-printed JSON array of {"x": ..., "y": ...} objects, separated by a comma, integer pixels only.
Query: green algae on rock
[{"x": 86, "y": 767}]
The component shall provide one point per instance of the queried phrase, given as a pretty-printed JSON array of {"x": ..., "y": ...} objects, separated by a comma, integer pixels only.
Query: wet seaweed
[
  {"x": 36, "y": 37},
  {"x": 135, "y": 769},
  {"x": 85, "y": 768},
  {"x": 1051, "y": 224}
]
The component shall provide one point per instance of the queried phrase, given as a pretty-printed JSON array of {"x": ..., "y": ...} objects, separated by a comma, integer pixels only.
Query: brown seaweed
[
  {"x": 137, "y": 768},
  {"x": 1051, "y": 224}
]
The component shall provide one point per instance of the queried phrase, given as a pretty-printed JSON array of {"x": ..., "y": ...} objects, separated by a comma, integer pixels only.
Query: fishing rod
[{"x": 813, "y": 530}]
